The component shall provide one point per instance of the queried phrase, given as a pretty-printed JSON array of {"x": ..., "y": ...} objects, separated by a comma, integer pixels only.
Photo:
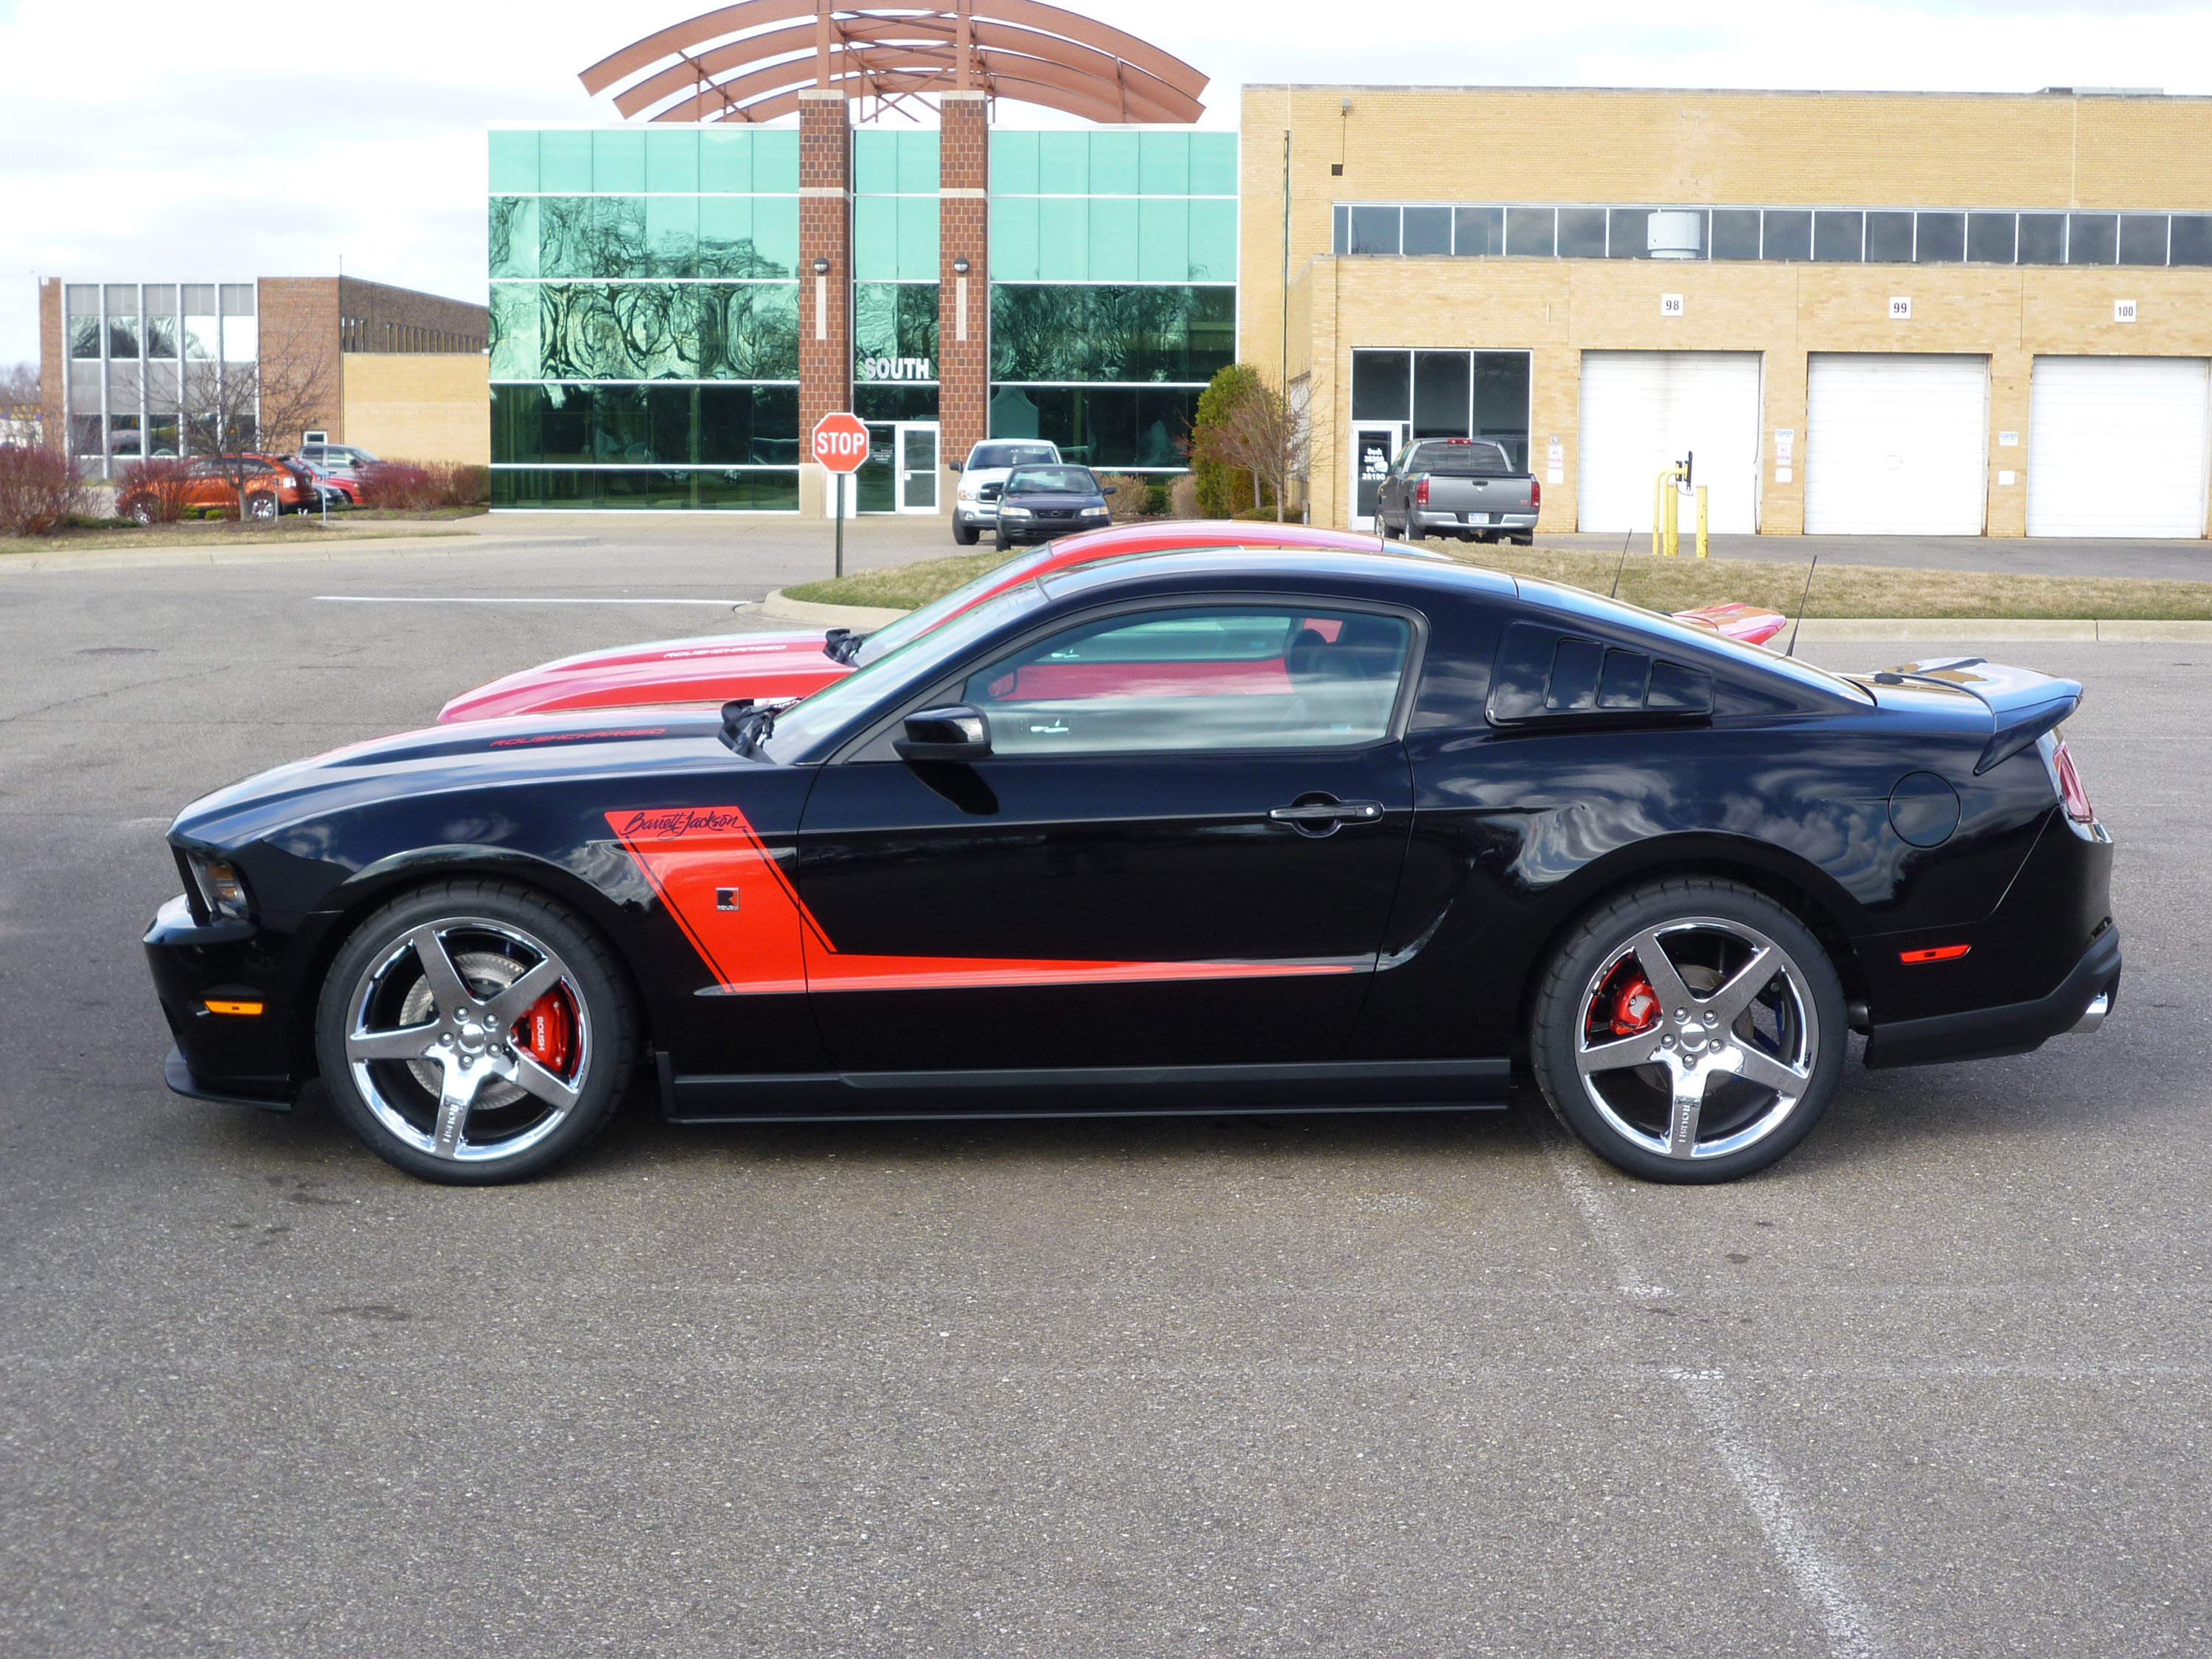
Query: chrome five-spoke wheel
[
  {"x": 1689, "y": 1031},
  {"x": 470, "y": 1041}
]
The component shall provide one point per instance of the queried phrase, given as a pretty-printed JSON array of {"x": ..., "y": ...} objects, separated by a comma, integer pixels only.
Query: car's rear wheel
[
  {"x": 1689, "y": 1031},
  {"x": 964, "y": 534},
  {"x": 140, "y": 510},
  {"x": 475, "y": 1032},
  {"x": 262, "y": 507}
]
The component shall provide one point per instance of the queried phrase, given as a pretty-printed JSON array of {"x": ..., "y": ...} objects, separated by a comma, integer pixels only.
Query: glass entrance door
[
  {"x": 917, "y": 467},
  {"x": 1372, "y": 447}
]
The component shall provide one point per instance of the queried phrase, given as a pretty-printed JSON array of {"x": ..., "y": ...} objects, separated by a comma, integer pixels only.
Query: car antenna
[
  {"x": 1623, "y": 565},
  {"x": 1802, "y": 598}
]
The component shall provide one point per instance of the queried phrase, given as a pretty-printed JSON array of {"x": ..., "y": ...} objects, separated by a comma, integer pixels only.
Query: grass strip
[
  {"x": 188, "y": 537},
  {"x": 1678, "y": 584}
]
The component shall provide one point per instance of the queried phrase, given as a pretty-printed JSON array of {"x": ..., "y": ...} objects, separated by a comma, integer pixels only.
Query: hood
[
  {"x": 708, "y": 669},
  {"x": 483, "y": 754}
]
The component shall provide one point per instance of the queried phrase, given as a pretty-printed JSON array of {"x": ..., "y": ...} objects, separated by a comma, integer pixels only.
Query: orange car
[{"x": 211, "y": 483}]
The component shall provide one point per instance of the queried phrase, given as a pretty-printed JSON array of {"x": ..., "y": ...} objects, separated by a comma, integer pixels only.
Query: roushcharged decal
[{"x": 756, "y": 935}]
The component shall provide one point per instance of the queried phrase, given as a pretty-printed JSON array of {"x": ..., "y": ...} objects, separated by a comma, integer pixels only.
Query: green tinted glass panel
[
  {"x": 1063, "y": 238},
  {"x": 775, "y": 160},
  {"x": 1213, "y": 164},
  {"x": 917, "y": 163},
  {"x": 564, "y": 161},
  {"x": 1163, "y": 163},
  {"x": 513, "y": 235},
  {"x": 514, "y": 335},
  {"x": 1100, "y": 426},
  {"x": 1014, "y": 236},
  {"x": 672, "y": 160},
  {"x": 894, "y": 320},
  {"x": 875, "y": 163},
  {"x": 726, "y": 159},
  {"x": 649, "y": 332},
  {"x": 1114, "y": 163},
  {"x": 592, "y": 236},
  {"x": 672, "y": 235},
  {"x": 875, "y": 237},
  {"x": 764, "y": 490},
  {"x": 917, "y": 234},
  {"x": 1101, "y": 333},
  {"x": 1112, "y": 238},
  {"x": 514, "y": 161},
  {"x": 1014, "y": 163},
  {"x": 618, "y": 161},
  {"x": 775, "y": 230},
  {"x": 898, "y": 401},
  {"x": 569, "y": 424},
  {"x": 726, "y": 243},
  {"x": 1064, "y": 163},
  {"x": 1212, "y": 240},
  {"x": 1163, "y": 238}
]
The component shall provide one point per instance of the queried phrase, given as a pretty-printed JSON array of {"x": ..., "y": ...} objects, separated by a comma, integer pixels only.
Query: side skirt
[{"x": 1103, "y": 1092}]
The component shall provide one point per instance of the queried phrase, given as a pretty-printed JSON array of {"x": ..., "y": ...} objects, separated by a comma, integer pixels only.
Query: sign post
[{"x": 840, "y": 444}]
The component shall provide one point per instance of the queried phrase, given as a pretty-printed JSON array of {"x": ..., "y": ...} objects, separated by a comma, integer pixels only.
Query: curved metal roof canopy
[{"x": 1018, "y": 49}]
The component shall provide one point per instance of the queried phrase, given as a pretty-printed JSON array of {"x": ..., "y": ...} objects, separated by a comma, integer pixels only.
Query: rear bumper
[
  {"x": 1424, "y": 521},
  {"x": 2015, "y": 1028}
]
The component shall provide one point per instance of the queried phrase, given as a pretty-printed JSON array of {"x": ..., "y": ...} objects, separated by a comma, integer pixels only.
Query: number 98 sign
[{"x": 840, "y": 442}]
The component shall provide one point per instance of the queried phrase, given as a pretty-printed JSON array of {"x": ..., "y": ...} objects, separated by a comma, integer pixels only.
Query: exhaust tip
[{"x": 2093, "y": 1015}]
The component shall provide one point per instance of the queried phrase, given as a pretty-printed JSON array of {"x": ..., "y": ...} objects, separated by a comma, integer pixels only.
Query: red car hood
[{"x": 710, "y": 668}]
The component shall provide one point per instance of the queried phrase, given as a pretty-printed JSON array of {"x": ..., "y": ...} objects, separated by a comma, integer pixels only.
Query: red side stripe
[{"x": 771, "y": 942}]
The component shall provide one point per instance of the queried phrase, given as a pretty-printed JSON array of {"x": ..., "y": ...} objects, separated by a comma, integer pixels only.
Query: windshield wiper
[
  {"x": 843, "y": 644},
  {"x": 747, "y": 723}
]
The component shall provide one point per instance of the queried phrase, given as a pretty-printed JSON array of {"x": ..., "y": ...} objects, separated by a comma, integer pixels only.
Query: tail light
[
  {"x": 1421, "y": 492},
  {"x": 1535, "y": 493},
  {"x": 2070, "y": 791}
]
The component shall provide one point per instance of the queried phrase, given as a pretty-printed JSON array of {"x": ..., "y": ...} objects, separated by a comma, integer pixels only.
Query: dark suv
[{"x": 1042, "y": 502}]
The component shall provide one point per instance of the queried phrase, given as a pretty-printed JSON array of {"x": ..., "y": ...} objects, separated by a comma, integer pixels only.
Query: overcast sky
[{"x": 216, "y": 139}]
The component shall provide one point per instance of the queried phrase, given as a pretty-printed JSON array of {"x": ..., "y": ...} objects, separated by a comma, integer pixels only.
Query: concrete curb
[
  {"x": 440, "y": 543},
  {"x": 1998, "y": 630},
  {"x": 861, "y": 616}
]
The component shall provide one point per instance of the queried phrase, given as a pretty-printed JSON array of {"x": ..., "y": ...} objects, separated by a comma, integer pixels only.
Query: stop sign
[{"x": 840, "y": 442}]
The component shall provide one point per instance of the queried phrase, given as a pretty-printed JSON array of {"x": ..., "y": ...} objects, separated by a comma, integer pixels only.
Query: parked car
[
  {"x": 709, "y": 670},
  {"x": 1213, "y": 831},
  {"x": 343, "y": 489},
  {"x": 1462, "y": 487},
  {"x": 338, "y": 458},
  {"x": 272, "y": 487},
  {"x": 1040, "y": 501},
  {"x": 984, "y": 475}
]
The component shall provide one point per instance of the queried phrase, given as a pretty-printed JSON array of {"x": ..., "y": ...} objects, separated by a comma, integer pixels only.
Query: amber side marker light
[
  {"x": 246, "y": 1009},
  {"x": 1935, "y": 953}
]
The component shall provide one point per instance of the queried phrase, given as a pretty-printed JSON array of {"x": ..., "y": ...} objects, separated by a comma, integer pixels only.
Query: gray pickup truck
[{"x": 1462, "y": 487}]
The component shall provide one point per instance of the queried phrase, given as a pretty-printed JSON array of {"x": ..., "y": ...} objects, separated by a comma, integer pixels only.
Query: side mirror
[
  {"x": 955, "y": 733},
  {"x": 1106, "y": 490},
  {"x": 953, "y": 466}
]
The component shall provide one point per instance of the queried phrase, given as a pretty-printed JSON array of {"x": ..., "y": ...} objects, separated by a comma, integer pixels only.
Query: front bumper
[
  {"x": 236, "y": 1059},
  {"x": 2082, "y": 1002},
  {"x": 981, "y": 512}
]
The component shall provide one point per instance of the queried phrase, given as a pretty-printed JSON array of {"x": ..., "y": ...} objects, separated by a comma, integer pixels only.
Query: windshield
[
  {"x": 913, "y": 625},
  {"x": 1011, "y": 455},
  {"x": 1053, "y": 481},
  {"x": 803, "y": 729}
]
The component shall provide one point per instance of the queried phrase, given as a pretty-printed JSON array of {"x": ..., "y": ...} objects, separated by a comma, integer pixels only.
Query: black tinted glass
[
  {"x": 1940, "y": 239},
  {"x": 2092, "y": 238},
  {"x": 1736, "y": 233},
  {"x": 1788, "y": 234},
  {"x": 2193, "y": 239},
  {"x": 1374, "y": 230},
  {"x": 1464, "y": 459},
  {"x": 1528, "y": 230},
  {"x": 1381, "y": 385},
  {"x": 2142, "y": 239},
  {"x": 1889, "y": 239},
  {"x": 1440, "y": 394},
  {"x": 1989, "y": 238},
  {"x": 1428, "y": 230},
  {"x": 1837, "y": 237},
  {"x": 1581, "y": 233},
  {"x": 2043, "y": 238},
  {"x": 1479, "y": 230}
]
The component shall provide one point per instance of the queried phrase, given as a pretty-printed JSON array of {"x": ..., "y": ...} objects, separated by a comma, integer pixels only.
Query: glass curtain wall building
[
  {"x": 146, "y": 366},
  {"x": 895, "y": 294},
  {"x": 1113, "y": 287},
  {"x": 645, "y": 319}
]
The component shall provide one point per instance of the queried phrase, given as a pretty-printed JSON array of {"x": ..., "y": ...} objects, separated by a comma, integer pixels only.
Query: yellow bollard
[
  {"x": 1701, "y": 521},
  {"x": 1659, "y": 514},
  {"x": 1673, "y": 518}
]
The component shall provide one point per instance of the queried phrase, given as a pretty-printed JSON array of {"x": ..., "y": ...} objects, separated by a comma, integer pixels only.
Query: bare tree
[
  {"x": 262, "y": 407},
  {"x": 1261, "y": 433},
  {"x": 21, "y": 414}
]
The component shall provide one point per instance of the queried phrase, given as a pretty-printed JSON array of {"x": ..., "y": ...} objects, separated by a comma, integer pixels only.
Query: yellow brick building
[{"x": 1862, "y": 314}]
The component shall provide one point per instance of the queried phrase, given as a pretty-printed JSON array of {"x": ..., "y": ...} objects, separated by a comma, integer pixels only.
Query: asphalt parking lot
[{"x": 1393, "y": 1385}]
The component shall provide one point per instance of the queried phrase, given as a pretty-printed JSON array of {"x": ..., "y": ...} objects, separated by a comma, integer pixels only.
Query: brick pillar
[
  {"x": 825, "y": 308},
  {"x": 53, "y": 367},
  {"x": 964, "y": 299}
]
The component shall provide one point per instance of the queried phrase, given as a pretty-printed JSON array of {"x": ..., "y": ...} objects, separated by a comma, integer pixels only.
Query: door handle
[{"x": 1325, "y": 816}]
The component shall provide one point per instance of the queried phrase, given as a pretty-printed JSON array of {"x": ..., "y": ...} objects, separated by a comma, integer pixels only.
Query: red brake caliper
[
  {"x": 547, "y": 1032},
  {"x": 1634, "y": 1006}
]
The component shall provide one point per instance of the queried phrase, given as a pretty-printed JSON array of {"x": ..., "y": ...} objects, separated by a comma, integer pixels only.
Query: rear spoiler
[{"x": 2023, "y": 705}]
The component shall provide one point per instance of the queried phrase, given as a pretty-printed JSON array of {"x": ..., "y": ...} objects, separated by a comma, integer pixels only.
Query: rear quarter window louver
[{"x": 1543, "y": 674}]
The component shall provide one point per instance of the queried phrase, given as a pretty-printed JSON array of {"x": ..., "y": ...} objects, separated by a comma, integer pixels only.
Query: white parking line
[
  {"x": 445, "y": 599},
  {"x": 1826, "y": 1586}
]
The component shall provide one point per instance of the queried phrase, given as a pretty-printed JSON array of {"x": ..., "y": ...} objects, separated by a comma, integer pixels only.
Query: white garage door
[
  {"x": 2117, "y": 446},
  {"x": 1896, "y": 445},
  {"x": 1641, "y": 410}
]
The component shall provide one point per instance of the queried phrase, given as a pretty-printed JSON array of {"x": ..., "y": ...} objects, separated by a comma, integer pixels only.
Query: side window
[{"x": 1220, "y": 678}]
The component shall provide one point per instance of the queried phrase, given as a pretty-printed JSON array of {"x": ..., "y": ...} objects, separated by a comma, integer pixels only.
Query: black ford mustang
[{"x": 1184, "y": 832}]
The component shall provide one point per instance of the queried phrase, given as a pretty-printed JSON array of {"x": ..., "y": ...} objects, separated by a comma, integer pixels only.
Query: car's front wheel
[
  {"x": 262, "y": 507},
  {"x": 964, "y": 534},
  {"x": 475, "y": 1032},
  {"x": 1689, "y": 1031}
]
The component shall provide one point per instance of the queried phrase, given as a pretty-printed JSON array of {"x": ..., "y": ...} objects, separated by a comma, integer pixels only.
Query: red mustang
[{"x": 713, "y": 668}]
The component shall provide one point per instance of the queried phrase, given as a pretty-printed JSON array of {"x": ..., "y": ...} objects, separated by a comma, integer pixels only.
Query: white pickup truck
[{"x": 1462, "y": 487}]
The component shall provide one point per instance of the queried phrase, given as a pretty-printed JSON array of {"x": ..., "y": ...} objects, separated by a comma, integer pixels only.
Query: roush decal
[{"x": 735, "y": 904}]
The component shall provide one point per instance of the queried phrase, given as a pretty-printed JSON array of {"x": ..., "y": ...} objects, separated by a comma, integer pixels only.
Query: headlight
[
  {"x": 968, "y": 492},
  {"x": 1014, "y": 513},
  {"x": 1095, "y": 512},
  {"x": 222, "y": 889}
]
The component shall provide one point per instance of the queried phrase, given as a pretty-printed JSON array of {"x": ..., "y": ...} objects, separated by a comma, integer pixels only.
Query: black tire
[
  {"x": 1001, "y": 543},
  {"x": 964, "y": 534},
  {"x": 1526, "y": 538},
  {"x": 1383, "y": 528},
  {"x": 381, "y": 994},
  {"x": 1792, "y": 1026}
]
